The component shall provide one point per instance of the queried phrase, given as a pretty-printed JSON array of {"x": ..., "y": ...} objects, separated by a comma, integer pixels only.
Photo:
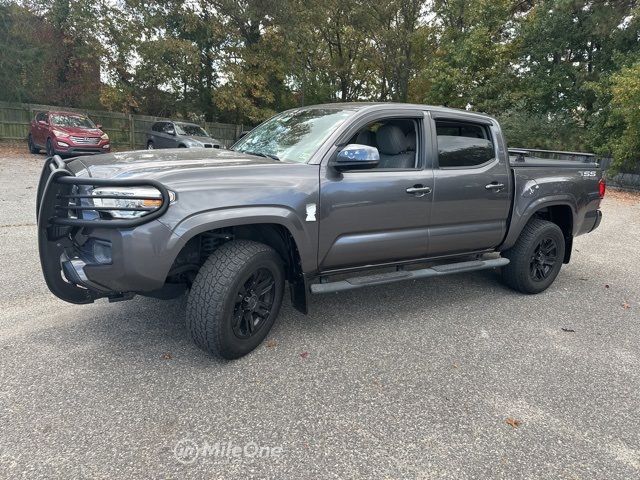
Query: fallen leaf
[
  {"x": 271, "y": 344},
  {"x": 166, "y": 356},
  {"x": 606, "y": 285},
  {"x": 514, "y": 423},
  {"x": 570, "y": 330},
  {"x": 455, "y": 365},
  {"x": 304, "y": 354},
  {"x": 626, "y": 305}
]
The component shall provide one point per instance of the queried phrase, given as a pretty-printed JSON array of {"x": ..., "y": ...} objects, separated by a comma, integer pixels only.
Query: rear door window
[{"x": 463, "y": 144}]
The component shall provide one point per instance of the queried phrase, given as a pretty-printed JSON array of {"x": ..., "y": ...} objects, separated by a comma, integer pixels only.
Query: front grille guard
[
  {"x": 57, "y": 204},
  {"x": 59, "y": 232}
]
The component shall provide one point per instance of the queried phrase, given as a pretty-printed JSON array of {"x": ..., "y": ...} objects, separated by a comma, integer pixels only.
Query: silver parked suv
[{"x": 167, "y": 134}]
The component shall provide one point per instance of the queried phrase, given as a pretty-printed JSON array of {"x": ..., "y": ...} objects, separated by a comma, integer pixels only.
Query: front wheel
[
  {"x": 150, "y": 145},
  {"x": 536, "y": 258},
  {"x": 32, "y": 146},
  {"x": 50, "y": 151},
  {"x": 235, "y": 298}
]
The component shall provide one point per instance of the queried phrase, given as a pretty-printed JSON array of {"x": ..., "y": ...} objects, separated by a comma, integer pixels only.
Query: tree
[
  {"x": 471, "y": 61},
  {"x": 624, "y": 142}
]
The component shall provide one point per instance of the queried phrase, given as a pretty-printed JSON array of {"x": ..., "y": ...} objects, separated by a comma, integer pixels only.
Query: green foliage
[
  {"x": 40, "y": 59},
  {"x": 559, "y": 74},
  {"x": 542, "y": 130},
  {"x": 625, "y": 118}
]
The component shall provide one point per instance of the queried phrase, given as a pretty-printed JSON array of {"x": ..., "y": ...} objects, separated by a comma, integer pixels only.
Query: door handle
[
  {"x": 418, "y": 190},
  {"x": 495, "y": 186}
]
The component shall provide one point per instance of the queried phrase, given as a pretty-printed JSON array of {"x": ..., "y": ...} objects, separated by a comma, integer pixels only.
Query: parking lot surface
[{"x": 454, "y": 377}]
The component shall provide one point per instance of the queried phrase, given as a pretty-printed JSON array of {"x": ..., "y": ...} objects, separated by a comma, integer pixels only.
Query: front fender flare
[{"x": 236, "y": 216}]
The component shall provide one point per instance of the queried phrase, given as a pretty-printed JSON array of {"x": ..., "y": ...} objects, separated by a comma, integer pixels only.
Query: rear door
[
  {"x": 156, "y": 128},
  {"x": 472, "y": 184}
]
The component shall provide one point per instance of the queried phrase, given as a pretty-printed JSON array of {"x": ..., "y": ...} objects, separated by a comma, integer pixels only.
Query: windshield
[
  {"x": 294, "y": 135},
  {"x": 71, "y": 121},
  {"x": 190, "y": 130}
]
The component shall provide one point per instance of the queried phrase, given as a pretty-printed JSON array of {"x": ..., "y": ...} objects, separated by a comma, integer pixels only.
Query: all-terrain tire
[
  {"x": 527, "y": 272},
  {"x": 213, "y": 299}
]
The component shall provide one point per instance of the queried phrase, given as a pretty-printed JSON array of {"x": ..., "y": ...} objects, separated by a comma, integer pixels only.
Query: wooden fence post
[{"x": 132, "y": 133}]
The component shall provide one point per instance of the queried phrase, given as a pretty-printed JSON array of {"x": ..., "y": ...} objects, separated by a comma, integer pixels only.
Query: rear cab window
[{"x": 463, "y": 144}]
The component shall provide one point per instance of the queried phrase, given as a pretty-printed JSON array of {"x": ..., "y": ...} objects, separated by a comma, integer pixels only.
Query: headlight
[
  {"x": 104, "y": 136},
  {"x": 141, "y": 197},
  {"x": 59, "y": 133}
]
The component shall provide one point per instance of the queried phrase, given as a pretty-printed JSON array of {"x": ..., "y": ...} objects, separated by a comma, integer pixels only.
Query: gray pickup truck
[{"x": 326, "y": 198}]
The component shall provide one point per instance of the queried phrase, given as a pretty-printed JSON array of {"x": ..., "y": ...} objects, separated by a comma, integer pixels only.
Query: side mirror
[
  {"x": 42, "y": 122},
  {"x": 243, "y": 133},
  {"x": 170, "y": 131},
  {"x": 99, "y": 126},
  {"x": 356, "y": 157}
]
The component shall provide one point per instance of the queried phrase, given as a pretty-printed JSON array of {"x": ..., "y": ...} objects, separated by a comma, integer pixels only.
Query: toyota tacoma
[{"x": 323, "y": 199}]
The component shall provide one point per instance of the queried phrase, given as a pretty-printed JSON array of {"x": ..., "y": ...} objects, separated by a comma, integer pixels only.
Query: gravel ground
[{"x": 455, "y": 377}]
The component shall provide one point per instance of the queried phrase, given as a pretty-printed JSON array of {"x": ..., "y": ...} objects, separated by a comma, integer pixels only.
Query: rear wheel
[
  {"x": 32, "y": 146},
  {"x": 235, "y": 298},
  {"x": 536, "y": 258}
]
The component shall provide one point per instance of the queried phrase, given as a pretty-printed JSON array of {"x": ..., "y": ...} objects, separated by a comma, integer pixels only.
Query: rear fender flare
[{"x": 520, "y": 219}]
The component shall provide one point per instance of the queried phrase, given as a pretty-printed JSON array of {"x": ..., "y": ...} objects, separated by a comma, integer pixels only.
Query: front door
[
  {"x": 472, "y": 187},
  {"x": 379, "y": 215},
  {"x": 40, "y": 133}
]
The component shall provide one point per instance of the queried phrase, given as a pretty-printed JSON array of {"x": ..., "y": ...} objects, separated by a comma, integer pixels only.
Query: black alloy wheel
[
  {"x": 254, "y": 302},
  {"x": 543, "y": 259}
]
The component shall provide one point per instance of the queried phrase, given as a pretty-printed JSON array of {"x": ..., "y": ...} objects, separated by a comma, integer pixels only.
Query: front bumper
[
  {"x": 72, "y": 270},
  {"x": 81, "y": 150}
]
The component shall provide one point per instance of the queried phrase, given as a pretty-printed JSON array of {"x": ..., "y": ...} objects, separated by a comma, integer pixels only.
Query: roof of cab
[{"x": 358, "y": 106}]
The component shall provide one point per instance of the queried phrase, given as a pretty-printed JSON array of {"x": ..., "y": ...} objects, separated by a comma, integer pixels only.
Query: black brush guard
[{"x": 61, "y": 228}]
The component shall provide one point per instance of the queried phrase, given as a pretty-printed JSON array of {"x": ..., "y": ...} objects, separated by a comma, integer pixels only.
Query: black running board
[{"x": 397, "y": 276}]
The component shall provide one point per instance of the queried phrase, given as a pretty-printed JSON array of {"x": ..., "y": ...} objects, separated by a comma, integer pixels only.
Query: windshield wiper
[{"x": 264, "y": 155}]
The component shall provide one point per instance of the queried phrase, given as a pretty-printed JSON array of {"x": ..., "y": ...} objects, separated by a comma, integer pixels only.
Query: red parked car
[{"x": 66, "y": 133}]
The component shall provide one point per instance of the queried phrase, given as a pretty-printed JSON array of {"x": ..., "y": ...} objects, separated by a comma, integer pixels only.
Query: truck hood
[{"x": 154, "y": 164}]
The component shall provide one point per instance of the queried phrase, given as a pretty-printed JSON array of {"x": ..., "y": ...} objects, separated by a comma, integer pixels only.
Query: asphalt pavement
[{"x": 453, "y": 377}]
